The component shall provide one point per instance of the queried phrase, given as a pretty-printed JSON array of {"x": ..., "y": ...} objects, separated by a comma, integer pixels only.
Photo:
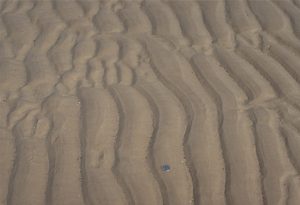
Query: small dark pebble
[{"x": 165, "y": 168}]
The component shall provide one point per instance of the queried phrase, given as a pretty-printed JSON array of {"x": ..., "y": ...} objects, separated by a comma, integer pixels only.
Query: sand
[{"x": 128, "y": 102}]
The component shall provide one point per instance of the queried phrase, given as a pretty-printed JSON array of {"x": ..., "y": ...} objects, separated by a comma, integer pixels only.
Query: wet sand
[{"x": 131, "y": 102}]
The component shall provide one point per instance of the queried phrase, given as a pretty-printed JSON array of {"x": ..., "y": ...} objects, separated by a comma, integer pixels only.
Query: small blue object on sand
[{"x": 166, "y": 168}]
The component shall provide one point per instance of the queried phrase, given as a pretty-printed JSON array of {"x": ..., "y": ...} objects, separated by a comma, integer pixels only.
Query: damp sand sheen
[{"x": 154, "y": 102}]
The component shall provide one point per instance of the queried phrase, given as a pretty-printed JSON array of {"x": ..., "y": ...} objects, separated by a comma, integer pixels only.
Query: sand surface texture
[{"x": 179, "y": 102}]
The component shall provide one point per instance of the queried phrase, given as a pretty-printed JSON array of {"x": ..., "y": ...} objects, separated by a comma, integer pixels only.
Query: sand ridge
[{"x": 97, "y": 95}]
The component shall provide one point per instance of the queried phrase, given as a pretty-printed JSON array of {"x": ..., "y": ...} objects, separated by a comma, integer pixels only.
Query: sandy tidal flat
[{"x": 119, "y": 102}]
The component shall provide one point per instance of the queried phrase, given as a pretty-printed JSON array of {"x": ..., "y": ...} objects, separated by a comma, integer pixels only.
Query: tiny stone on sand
[{"x": 166, "y": 168}]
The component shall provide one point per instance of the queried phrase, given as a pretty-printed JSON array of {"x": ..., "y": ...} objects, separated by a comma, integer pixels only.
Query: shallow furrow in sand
[
  {"x": 130, "y": 56},
  {"x": 251, "y": 156},
  {"x": 260, "y": 155},
  {"x": 13, "y": 171},
  {"x": 294, "y": 190},
  {"x": 229, "y": 64},
  {"x": 204, "y": 139},
  {"x": 164, "y": 23},
  {"x": 95, "y": 71},
  {"x": 60, "y": 53},
  {"x": 20, "y": 30},
  {"x": 129, "y": 64},
  {"x": 262, "y": 92},
  {"x": 9, "y": 5},
  {"x": 50, "y": 28},
  {"x": 242, "y": 21},
  {"x": 2, "y": 3},
  {"x": 51, "y": 158},
  {"x": 32, "y": 167},
  {"x": 207, "y": 114},
  {"x": 292, "y": 12},
  {"x": 15, "y": 115},
  {"x": 195, "y": 96},
  {"x": 275, "y": 22},
  {"x": 235, "y": 23},
  {"x": 106, "y": 20},
  {"x": 117, "y": 144},
  {"x": 30, "y": 153},
  {"x": 191, "y": 104},
  {"x": 167, "y": 146},
  {"x": 277, "y": 165},
  {"x": 286, "y": 150},
  {"x": 253, "y": 182},
  {"x": 190, "y": 18},
  {"x": 3, "y": 29},
  {"x": 99, "y": 116},
  {"x": 280, "y": 79},
  {"x": 257, "y": 89},
  {"x": 184, "y": 182},
  {"x": 289, "y": 114},
  {"x": 284, "y": 56},
  {"x": 134, "y": 19},
  {"x": 108, "y": 53},
  {"x": 296, "y": 3},
  {"x": 144, "y": 90},
  {"x": 214, "y": 16},
  {"x": 293, "y": 142},
  {"x": 7, "y": 151},
  {"x": 189, "y": 120},
  {"x": 81, "y": 49},
  {"x": 137, "y": 128},
  {"x": 40, "y": 74},
  {"x": 282, "y": 74},
  {"x": 220, "y": 118},
  {"x": 288, "y": 101},
  {"x": 64, "y": 112},
  {"x": 90, "y": 9},
  {"x": 68, "y": 11},
  {"x": 238, "y": 166}
]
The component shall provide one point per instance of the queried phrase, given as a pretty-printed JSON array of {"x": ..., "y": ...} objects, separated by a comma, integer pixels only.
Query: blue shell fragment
[{"x": 165, "y": 168}]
